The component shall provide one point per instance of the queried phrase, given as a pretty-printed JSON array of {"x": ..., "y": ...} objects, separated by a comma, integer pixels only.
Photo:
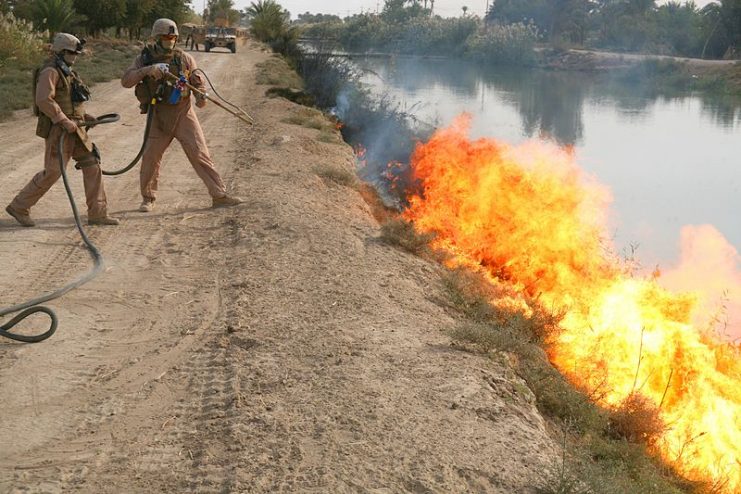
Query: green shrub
[
  {"x": 504, "y": 44},
  {"x": 436, "y": 36},
  {"x": 366, "y": 32}
]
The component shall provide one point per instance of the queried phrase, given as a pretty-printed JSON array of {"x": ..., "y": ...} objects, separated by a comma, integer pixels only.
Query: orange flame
[{"x": 530, "y": 216}]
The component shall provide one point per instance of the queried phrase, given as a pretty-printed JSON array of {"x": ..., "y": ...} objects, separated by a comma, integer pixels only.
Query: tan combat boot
[
  {"x": 226, "y": 201},
  {"x": 23, "y": 218},
  {"x": 146, "y": 206},
  {"x": 103, "y": 220}
]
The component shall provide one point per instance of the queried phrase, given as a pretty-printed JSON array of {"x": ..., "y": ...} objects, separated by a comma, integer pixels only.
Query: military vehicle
[{"x": 221, "y": 37}]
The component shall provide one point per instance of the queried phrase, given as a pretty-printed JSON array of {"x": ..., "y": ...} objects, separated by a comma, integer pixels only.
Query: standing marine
[
  {"x": 174, "y": 117},
  {"x": 60, "y": 97}
]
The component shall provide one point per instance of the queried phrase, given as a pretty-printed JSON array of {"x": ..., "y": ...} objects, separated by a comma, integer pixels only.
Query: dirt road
[{"x": 278, "y": 346}]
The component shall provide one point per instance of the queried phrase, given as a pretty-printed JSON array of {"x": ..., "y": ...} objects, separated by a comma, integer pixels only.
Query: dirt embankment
[{"x": 278, "y": 346}]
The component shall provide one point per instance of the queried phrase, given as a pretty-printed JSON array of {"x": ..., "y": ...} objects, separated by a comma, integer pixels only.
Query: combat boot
[
  {"x": 103, "y": 220},
  {"x": 226, "y": 201},
  {"x": 23, "y": 218},
  {"x": 146, "y": 206}
]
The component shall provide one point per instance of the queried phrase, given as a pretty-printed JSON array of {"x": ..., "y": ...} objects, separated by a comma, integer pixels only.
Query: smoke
[
  {"x": 385, "y": 136},
  {"x": 709, "y": 267},
  {"x": 375, "y": 125}
]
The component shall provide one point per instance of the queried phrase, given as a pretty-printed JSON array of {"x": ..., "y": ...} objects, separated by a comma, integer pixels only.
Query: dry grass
[
  {"x": 312, "y": 118},
  {"x": 275, "y": 71},
  {"x": 402, "y": 234},
  {"x": 106, "y": 59},
  {"x": 379, "y": 210},
  {"x": 339, "y": 176},
  {"x": 329, "y": 136},
  {"x": 636, "y": 420}
]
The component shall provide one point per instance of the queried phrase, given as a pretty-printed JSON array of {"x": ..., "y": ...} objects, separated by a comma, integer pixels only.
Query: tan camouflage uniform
[{"x": 176, "y": 121}]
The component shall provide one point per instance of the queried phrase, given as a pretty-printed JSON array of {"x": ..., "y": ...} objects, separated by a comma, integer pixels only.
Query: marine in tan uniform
[
  {"x": 174, "y": 117},
  {"x": 60, "y": 107}
]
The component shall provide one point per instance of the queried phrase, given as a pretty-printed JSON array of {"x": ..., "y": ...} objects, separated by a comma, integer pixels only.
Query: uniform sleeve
[
  {"x": 195, "y": 79},
  {"x": 134, "y": 74},
  {"x": 46, "y": 89}
]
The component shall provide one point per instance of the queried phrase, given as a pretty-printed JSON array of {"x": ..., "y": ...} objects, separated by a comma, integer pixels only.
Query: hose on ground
[{"x": 34, "y": 305}]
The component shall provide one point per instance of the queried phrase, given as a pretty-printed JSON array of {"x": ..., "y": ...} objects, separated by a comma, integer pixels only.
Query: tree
[
  {"x": 54, "y": 16},
  {"x": 679, "y": 28},
  {"x": 714, "y": 35},
  {"x": 401, "y": 11},
  {"x": 101, "y": 14},
  {"x": 137, "y": 15},
  {"x": 177, "y": 10},
  {"x": 268, "y": 20},
  {"x": 555, "y": 19},
  {"x": 731, "y": 12},
  {"x": 465, "y": 10},
  {"x": 223, "y": 9},
  {"x": 7, "y": 6}
]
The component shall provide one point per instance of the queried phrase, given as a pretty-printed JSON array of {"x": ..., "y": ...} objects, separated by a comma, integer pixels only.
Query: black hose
[
  {"x": 33, "y": 306},
  {"x": 150, "y": 117}
]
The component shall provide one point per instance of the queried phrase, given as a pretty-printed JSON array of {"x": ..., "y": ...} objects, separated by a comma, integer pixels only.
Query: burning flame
[{"x": 531, "y": 217}]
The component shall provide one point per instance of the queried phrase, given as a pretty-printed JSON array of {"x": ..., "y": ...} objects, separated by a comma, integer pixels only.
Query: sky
[{"x": 444, "y": 8}]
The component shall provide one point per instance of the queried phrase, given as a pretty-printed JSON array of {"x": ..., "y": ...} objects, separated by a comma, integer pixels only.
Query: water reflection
[
  {"x": 670, "y": 159},
  {"x": 550, "y": 103}
]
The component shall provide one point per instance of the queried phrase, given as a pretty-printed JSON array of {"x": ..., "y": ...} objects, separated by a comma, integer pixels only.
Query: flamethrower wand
[{"x": 237, "y": 112}]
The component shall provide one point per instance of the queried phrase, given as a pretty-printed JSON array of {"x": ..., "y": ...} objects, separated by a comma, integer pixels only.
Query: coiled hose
[{"x": 33, "y": 306}]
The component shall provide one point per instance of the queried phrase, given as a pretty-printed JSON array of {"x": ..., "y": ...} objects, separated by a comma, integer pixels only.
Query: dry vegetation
[
  {"x": 402, "y": 233},
  {"x": 314, "y": 119},
  {"x": 339, "y": 176},
  {"x": 276, "y": 72}
]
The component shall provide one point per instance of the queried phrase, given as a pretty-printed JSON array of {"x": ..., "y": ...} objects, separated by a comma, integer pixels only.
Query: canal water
[{"x": 669, "y": 161}]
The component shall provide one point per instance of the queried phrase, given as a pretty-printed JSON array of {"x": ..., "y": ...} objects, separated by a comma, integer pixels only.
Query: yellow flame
[{"x": 530, "y": 216}]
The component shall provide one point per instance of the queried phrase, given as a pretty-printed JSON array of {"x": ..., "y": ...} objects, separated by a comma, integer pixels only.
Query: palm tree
[
  {"x": 714, "y": 15},
  {"x": 268, "y": 20},
  {"x": 55, "y": 16}
]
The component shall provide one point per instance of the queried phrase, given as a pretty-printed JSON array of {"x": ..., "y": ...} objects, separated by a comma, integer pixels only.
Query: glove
[
  {"x": 68, "y": 125},
  {"x": 158, "y": 70},
  {"x": 89, "y": 118}
]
